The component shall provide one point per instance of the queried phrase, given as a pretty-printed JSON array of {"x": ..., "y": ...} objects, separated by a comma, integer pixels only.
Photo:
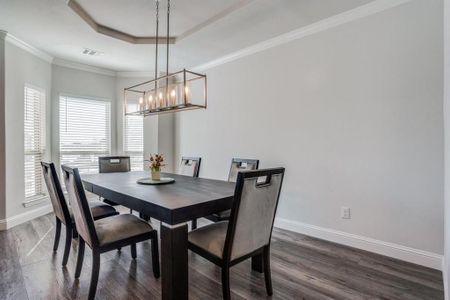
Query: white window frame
[
  {"x": 109, "y": 134},
  {"x": 40, "y": 151},
  {"x": 135, "y": 156}
]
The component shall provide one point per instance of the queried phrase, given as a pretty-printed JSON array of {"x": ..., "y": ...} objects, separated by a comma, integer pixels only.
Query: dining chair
[
  {"x": 237, "y": 165},
  {"x": 63, "y": 212},
  {"x": 112, "y": 164},
  {"x": 249, "y": 230},
  {"x": 106, "y": 234},
  {"x": 190, "y": 166}
]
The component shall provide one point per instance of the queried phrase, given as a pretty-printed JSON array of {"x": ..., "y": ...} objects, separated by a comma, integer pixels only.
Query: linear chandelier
[{"x": 182, "y": 90}]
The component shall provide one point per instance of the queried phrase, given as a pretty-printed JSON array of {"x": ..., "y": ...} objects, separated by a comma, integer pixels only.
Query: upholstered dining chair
[
  {"x": 190, "y": 166},
  {"x": 249, "y": 230},
  {"x": 63, "y": 212},
  {"x": 237, "y": 165},
  {"x": 112, "y": 164},
  {"x": 105, "y": 234}
]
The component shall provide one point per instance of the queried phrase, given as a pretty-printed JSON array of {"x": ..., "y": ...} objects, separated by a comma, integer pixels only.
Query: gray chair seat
[
  {"x": 120, "y": 227},
  {"x": 99, "y": 210},
  {"x": 210, "y": 238}
]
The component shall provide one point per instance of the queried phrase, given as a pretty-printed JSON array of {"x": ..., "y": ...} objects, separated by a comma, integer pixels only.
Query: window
[
  {"x": 84, "y": 132},
  {"x": 134, "y": 141},
  {"x": 34, "y": 140}
]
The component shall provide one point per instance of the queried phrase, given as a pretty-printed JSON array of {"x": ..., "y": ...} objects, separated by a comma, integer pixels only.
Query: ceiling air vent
[{"x": 92, "y": 52}]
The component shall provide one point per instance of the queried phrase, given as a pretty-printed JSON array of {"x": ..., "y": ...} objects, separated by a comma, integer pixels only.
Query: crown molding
[
  {"x": 124, "y": 74},
  {"x": 127, "y": 37},
  {"x": 82, "y": 67},
  {"x": 27, "y": 47},
  {"x": 322, "y": 25},
  {"x": 111, "y": 32},
  {"x": 222, "y": 14}
]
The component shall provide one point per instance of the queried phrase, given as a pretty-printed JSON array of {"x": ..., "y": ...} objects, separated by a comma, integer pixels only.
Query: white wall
[
  {"x": 21, "y": 68},
  {"x": 2, "y": 130},
  {"x": 74, "y": 82},
  {"x": 446, "y": 264},
  {"x": 354, "y": 113}
]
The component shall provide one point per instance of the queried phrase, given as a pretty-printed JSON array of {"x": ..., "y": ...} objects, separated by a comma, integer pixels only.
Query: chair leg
[
  {"x": 194, "y": 224},
  {"x": 68, "y": 244},
  {"x": 94, "y": 275},
  {"x": 226, "y": 283},
  {"x": 74, "y": 232},
  {"x": 57, "y": 234},
  {"x": 133, "y": 251},
  {"x": 144, "y": 217},
  {"x": 267, "y": 275},
  {"x": 80, "y": 257},
  {"x": 155, "y": 257}
]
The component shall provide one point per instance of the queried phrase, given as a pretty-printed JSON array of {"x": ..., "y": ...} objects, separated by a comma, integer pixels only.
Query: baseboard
[
  {"x": 416, "y": 256},
  {"x": 25, "y": 217}
]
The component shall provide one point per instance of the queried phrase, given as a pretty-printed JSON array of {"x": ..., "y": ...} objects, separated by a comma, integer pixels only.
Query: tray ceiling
[{"x": 213, "y": 30}]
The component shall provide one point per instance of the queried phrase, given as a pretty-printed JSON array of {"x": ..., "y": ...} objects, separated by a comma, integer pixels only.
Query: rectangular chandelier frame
[{"x": 180, "y": 91}]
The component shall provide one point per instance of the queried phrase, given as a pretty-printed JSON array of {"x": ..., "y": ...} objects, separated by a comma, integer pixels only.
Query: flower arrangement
[{"x": 156, "y": 163}]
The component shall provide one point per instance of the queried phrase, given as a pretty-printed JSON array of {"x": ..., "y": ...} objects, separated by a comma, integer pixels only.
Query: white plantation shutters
[
  {"x": 34, "y": 140},
  {"x": 134, "y": 141},
  {"x": 84, "y": 132}
]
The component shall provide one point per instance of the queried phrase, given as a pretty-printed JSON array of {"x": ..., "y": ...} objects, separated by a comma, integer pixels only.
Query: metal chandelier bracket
[{"x": 182, "y": 90}]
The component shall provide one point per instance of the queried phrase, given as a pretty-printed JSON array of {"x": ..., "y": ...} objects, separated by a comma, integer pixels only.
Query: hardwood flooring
[{"x": 302, "y": 268}]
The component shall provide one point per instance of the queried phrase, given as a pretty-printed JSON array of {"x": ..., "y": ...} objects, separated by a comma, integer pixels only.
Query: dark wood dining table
[{"x": 174, "y": 205}]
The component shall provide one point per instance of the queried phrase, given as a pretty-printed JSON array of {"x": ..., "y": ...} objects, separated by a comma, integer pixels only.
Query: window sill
[{"x": 35, "y": 200}]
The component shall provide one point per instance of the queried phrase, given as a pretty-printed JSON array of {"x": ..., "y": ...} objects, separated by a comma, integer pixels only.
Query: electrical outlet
[{"x": 345, "y": 212}]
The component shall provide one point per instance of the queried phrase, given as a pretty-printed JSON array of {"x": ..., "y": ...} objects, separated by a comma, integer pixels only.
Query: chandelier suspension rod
[
  {"x": 157, "y": 40},
  {"x": 167, "y": 51}
]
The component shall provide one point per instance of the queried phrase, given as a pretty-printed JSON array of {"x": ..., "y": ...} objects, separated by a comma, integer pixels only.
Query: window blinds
[
  {"x": 134, "y": 141},
  {"x": 84, "y": 132},
  {"x": 34, "y": 140}
]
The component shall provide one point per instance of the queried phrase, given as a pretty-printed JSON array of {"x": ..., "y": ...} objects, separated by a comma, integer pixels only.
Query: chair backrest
[
  {"x": 253, "y": 212},
  {"x": 80, "y": 207},
  {"x": 190, "y": 166},
  {"x": 60, "y": 207},
  {"x": 111, "y": 164},
  {"x": 241, "y": 164}
]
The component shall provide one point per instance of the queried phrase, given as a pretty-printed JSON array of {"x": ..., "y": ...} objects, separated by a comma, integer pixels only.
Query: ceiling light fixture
[{"x": 182, "y": 90}]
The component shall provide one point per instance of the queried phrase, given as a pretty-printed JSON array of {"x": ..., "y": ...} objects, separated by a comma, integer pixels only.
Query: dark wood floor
[{"x": 302, "y": 268}]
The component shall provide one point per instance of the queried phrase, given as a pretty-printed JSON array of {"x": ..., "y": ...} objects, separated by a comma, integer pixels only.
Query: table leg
[
  {"x": 257, "y": 263},
  {"x": 174, "y": 262}
]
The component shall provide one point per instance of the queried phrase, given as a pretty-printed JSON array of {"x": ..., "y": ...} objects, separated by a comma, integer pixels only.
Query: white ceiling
[{"x": 51, "y": 26}]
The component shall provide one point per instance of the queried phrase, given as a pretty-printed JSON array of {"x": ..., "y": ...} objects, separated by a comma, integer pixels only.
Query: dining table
[{"x": 174, "y": 205}]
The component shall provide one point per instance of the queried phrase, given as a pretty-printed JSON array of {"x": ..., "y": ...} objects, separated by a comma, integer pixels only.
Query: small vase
[{"x": 156, "y": 175}]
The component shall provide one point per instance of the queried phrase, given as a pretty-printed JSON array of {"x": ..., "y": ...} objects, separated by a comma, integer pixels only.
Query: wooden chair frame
[
  {"x": 71, "y": 231},
  {"x": 97, "y": 249},
  {"x": 225, "y": 262}
]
